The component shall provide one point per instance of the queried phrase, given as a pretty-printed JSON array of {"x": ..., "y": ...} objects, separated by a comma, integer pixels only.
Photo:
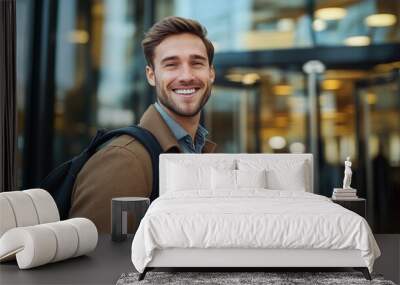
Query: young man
[{"x": 179, "y": 66}]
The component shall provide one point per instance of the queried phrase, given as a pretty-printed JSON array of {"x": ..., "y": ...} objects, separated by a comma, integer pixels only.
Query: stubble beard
[{"x": 170, "y": 105}]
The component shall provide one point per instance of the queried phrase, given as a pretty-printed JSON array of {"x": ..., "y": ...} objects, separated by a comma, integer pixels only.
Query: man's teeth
[{"x": 185, "y": 91}]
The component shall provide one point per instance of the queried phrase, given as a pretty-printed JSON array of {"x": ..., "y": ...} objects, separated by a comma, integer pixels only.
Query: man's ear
[
  {"x": 150, "y": 75},
  {"x": 212, "y": 73}
]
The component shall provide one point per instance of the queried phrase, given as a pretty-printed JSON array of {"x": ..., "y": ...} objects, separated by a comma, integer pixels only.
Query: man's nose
[{"x": 186, "y": 73}]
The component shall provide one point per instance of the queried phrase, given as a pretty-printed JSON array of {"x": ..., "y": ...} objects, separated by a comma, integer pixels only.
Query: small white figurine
[{"x": 347, "y": 174}]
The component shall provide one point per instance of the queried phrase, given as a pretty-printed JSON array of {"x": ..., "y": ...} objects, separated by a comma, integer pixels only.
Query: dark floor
[{"x": 105, "y": 266}]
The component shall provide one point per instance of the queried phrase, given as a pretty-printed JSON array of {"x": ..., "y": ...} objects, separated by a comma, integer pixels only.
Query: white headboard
[{"x": 166, "y": 159}]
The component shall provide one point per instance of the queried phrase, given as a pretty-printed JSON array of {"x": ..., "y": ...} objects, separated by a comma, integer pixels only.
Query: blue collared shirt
[{"x": 184, "y": 139}]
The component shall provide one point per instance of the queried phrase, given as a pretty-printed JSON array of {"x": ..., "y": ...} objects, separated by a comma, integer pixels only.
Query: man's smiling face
[{"x": 181, "y": 74}]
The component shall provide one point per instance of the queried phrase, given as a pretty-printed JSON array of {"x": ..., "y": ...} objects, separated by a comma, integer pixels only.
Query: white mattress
[{"x": 253, "y": 218}]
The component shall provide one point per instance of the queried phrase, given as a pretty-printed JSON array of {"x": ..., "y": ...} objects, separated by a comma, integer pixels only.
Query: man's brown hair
[{"x": 174, "y": 26}]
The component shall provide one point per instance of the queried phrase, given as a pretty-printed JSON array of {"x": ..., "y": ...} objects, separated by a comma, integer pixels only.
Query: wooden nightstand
[
  {"x": 119, "y": 208},
  {"x": 357, "y": 205}
]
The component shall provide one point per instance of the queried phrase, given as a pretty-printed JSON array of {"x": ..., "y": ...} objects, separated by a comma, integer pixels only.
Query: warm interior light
[
  {"x": 333, "y": 115},
  {"x": 283, "y": 89},
  {"x": 331, "y": 84},
  {"x": 78, "y": 36},
  {"x": 329, "y": 14},
  {"x": 267, "y": 39},
  {"x": 385, "y": 67},
  {"x": 285, "y": 25},
  {"x": 281, "y": 122},
  {"x": 357, "y": 41},
  {"x": 328, "y": 115},
  {"x": 235, "y": 77},
  {"x": 319, "y": 25},
  {"x": 297, "y": 147},
  {"x": 380, "y": 20},
  {"x": 371, "y": 98},
  {"x": 250, "y": 78},
  {"x": 98, "y": 9},
  {"x": 277, "y": 142}
]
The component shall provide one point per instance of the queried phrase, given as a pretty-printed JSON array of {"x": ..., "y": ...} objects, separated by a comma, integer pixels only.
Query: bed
[{"x": 246, "y": 211}]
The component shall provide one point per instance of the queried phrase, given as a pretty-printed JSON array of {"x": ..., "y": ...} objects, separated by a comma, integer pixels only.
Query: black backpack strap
[
  {"x": 60, "y": 182},
  {"x": 146, "y": 138}
]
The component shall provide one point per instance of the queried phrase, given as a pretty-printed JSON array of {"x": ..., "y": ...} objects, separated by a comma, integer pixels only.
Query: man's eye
[
  {"x": 170, "y": 65},
  {"x": 198, "y": 63}
]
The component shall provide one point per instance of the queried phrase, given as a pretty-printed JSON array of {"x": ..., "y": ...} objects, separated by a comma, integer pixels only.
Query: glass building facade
[{"x": 80, "y": 68}]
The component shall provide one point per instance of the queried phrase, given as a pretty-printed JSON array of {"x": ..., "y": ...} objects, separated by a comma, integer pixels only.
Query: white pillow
[
  {"x": 223, "y": 179},
  {"x": 201, "y": 160},
  {"x": 282, "y": 174},
  {"x": 182, "y": 177},
  {"x": 227, "y": 179},
  {"x": 278, "y": 180},
  {"x": 251, "y": 178}
]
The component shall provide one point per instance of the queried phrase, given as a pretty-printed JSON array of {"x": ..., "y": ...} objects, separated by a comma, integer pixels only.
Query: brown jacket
[{"x": 122, "y": 168}]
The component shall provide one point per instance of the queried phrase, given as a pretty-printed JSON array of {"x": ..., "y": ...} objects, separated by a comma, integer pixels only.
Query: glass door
[
  {"x": 231, "y": 118},
  {"x": 359, "y": 117},
  {"x": 357, "y": 114},
  {"x": 337, "y": 136},
  {"x": 379, "y": 105},
  {"x": 259, "y": 110}
]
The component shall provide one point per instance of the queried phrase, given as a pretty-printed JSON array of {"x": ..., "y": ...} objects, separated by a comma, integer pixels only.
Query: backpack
[{"x": 60, "y": 182}]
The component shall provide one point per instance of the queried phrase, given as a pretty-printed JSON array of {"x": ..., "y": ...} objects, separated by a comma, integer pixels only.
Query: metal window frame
[
  {"x": 8, "y": 95},
  {"x": 38, "y": 133}
]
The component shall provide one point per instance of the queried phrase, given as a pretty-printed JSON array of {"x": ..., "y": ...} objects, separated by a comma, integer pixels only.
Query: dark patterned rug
[{"x": 229, "y": 278}]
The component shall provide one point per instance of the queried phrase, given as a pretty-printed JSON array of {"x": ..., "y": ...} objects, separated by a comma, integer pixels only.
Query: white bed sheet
[{"x": 252, "y": 218}]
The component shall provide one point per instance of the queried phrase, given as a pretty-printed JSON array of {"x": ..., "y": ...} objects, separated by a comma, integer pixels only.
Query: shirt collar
[
  {"x": 152, "y": 121},
  {"x": 176, "y": 129},
  {"x": 201, "y": 132}
]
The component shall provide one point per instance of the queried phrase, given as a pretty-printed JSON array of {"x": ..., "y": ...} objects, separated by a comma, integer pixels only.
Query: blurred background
[{"x": 80, "y": 68}]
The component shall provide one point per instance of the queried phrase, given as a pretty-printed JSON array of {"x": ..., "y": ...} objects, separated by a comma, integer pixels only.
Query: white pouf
[
  {"x": 40, "y": 244},
  {"x": 31, "y": 230}
]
